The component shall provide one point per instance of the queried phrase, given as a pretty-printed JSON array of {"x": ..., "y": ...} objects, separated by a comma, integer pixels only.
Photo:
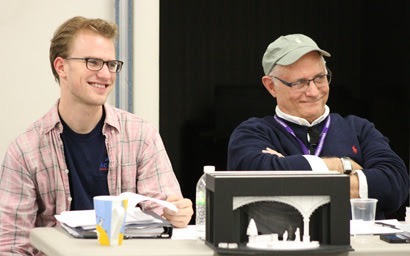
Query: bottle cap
[{"x": 209, "y": 168}]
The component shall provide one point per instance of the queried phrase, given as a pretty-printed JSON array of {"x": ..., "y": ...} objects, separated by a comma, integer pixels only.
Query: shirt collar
[
  {"x": 52, "y": 119},
  {"x": 299, "y": 120},
  {"x": 111, "y": 118}
]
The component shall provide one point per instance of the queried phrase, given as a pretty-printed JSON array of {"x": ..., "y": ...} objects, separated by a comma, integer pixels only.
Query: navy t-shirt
[{"x": 87, "y": 162}]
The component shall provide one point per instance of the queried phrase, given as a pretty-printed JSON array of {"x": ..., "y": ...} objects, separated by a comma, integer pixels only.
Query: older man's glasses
[
  {"x": 95, "y": 64},
  {"x": 302, "y": 85}
]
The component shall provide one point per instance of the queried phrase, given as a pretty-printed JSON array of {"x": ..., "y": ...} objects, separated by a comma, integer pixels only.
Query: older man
[{"x": 304, "y": 135}]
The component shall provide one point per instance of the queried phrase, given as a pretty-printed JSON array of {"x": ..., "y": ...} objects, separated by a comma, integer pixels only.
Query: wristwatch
[{"x": 347, "y": 165}]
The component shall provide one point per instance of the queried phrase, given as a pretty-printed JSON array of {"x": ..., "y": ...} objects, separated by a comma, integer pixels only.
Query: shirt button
[
  {"x": 66, "y": 171},
  {"x": 112, "y": 131},
  {"x": 70, "y": 198}
]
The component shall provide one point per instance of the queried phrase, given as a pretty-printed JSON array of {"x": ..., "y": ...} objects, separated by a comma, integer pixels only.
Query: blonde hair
[{"x": 65, "y": 34}]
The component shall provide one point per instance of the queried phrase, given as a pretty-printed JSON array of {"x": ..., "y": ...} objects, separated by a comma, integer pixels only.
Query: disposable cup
[
  {"x": 363, "y": 216},
  {"x": 363, "y": 209},
  {"x": 110, "y": 214}
]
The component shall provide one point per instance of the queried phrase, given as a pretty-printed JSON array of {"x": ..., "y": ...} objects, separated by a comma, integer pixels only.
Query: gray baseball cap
[{"x": 287, "y": 49}]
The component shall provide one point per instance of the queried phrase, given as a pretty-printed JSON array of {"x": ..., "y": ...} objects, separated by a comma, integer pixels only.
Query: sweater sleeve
[
  {"x": 254, "y": 135},
  {"x": 386, "y": 173}
]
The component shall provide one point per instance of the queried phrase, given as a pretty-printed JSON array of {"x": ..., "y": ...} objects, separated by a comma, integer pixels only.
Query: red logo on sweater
[{"x": 354, "y": 149}]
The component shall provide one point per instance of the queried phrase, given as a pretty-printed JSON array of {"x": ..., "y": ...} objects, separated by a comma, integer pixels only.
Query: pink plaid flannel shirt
[{"x": 34, "y": 183}]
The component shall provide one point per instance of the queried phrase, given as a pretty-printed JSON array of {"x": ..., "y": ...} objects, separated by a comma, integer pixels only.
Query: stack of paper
[
  {"x": 389, "y": 226},
  {"x": 405, "y": 228},
  {"x": 137, "y": 224}
]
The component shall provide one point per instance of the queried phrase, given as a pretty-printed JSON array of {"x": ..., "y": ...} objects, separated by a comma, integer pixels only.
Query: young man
[
  {"x": 304, "y": 135},
  {"x": 82, "y": 147}
]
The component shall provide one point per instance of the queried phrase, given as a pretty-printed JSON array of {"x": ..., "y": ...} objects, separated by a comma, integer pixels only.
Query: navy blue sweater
[{"x": 352, "y": 136}]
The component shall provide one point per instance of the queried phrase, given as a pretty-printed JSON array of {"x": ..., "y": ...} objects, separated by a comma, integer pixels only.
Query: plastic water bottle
[{"x": 200, "y": 203}]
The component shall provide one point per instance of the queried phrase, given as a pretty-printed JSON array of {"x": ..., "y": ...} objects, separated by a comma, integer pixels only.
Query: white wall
[
  {"x": 146, "y": 60},
  {"x": 28, "y": 89}
]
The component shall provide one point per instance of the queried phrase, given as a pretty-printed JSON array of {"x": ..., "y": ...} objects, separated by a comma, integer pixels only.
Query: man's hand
[
  {"x": 354, "y": 186},
  {"x": 181, "y": 218},
  {"x": 334, "y": 163}
]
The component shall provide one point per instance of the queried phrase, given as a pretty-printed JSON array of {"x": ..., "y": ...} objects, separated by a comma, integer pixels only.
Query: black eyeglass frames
[
  {"x": 96, "y": 64},
  {"x": 302, "y": 85}
]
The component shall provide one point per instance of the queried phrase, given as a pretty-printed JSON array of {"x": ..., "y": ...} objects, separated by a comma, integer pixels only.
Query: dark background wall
[{"x": 210, "y": 66}]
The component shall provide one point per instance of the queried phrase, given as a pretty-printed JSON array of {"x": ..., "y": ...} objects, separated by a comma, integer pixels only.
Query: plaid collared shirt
[{"x": 34, "y": 183}]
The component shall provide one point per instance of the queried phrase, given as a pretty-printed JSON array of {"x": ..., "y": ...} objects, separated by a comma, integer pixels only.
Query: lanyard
[{"x": 304, "y": 148}]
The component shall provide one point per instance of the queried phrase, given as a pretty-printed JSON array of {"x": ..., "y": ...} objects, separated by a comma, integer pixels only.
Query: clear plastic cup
[
  {"x": 363, "y": 216},
  {"x": 363, "y": 209}
]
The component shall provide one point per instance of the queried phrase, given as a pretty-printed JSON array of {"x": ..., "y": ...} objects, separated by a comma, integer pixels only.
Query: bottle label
[{"x": 200, "y": 198}]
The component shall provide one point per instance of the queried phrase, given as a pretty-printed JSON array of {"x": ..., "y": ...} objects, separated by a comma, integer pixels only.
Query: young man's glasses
[
  {"x": 302, "y": 85},
  {"x": 95, "y": 64}
]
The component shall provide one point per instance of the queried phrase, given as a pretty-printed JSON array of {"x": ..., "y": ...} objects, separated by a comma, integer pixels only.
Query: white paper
[
  {"x": 134, "y": 199},
  {"x": 404, "y": 227},
  {"x": 86, "y": 218},
  {"x": 188, "y": 233},
  {"x": 83, "y": 218},
  {"x": 359, "y": 227}
]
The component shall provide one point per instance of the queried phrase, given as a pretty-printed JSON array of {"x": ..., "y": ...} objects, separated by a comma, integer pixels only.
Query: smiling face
[
  {"x": 79, "y": 85},
  {"x": 309, "y": 104}
]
